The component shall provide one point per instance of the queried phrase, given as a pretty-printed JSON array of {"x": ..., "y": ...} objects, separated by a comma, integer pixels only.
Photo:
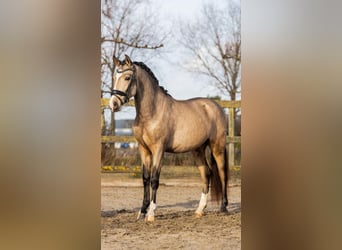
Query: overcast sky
[{"x": 179, "y": 83}]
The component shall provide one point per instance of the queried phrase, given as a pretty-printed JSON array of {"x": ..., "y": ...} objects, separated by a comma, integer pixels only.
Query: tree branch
[
  {"x": 213, "y": 41},
  {"x": 133, "y": 45}
]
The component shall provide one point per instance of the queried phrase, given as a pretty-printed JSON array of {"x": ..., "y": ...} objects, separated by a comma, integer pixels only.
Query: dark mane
[{"x": 149, "y": 71}]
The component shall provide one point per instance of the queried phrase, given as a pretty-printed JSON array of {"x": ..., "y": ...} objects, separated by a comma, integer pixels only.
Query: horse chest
[{"x": 149, "y": 134}]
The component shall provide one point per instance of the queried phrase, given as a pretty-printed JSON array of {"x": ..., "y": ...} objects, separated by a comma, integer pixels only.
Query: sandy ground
[{"x": 176, "y": 226}]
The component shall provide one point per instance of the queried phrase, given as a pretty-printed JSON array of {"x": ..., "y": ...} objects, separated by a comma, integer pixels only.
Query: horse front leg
[
  {"x": 157, "y": 156},
  {"x": 146, "y": 177}
]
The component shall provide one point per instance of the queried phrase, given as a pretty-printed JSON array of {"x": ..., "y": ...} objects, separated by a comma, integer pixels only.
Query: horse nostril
[{"x": 116, "y": 106}]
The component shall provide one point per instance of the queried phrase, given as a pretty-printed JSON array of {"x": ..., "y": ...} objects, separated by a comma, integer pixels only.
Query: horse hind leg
[
  {"x": 220, "y": 156},
  {"x": 205, "y": 176}
]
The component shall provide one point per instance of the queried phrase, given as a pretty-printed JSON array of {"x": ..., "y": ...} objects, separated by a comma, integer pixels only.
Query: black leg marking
[
  {"x": 224, "y": 205},
  {"x": 146, "y": 200},
  {"x": 155, "y": 184}
]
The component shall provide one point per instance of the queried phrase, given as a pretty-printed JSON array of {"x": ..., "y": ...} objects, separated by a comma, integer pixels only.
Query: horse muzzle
[{"x": 115, "y": 104}]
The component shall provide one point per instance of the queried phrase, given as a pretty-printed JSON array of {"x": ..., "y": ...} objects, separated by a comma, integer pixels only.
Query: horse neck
[{"x": 146, "y": 95}]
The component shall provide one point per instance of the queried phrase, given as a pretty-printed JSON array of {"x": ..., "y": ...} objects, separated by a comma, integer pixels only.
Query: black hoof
[{"x": 224, "y": 210}]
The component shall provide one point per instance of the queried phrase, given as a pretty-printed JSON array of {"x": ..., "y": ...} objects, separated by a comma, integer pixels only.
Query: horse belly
[{"x": 186, "y": 141}]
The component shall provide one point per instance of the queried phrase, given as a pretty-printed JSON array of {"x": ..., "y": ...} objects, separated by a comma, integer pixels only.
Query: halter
[{"x": 119, "y": 93}]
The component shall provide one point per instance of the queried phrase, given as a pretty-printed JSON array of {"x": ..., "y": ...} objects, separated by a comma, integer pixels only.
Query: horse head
[{"x": 124, "y": 83}]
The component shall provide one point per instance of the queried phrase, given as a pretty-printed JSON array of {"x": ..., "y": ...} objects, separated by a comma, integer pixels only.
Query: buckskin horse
[{"x": 163, "y": 124}]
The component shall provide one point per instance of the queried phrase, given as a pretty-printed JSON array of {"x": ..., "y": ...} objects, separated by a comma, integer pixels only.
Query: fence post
[
  {"x": 102, "y": 120},
  {"x": 103, "y": 149},
  {"x": 112, "y": 128},
  {"x": 231, "y": 146}
]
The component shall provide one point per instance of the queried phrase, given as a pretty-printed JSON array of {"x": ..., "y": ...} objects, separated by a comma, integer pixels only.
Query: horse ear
[
  {"x": 116, "y": 61},
  {"x": 128, "y": 60}
]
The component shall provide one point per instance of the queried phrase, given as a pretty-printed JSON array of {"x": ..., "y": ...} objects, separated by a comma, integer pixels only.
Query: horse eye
[{"x": 127, "y": 78}]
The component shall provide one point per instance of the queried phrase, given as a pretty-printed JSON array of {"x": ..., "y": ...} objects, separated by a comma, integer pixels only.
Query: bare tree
[
  {"x": 213, "y": 46},
  {"x": 128, "y": 27}
]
